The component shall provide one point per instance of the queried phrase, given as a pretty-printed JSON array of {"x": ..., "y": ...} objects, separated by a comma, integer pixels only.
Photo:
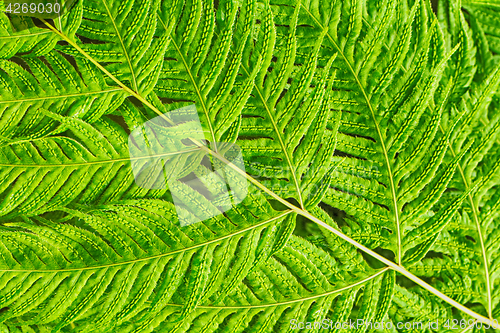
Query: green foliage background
[{"x": 370, "y": 136}]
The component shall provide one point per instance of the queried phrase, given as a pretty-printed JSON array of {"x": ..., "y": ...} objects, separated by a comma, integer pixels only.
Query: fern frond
[
  {"x": 471, "y": 238},
  {"x": 485, "y": 15},
  {"x": 283, "y": 149},
  {"x": 60, "y": 270},
  {"x": 376, "y": 123},
  {"x": 63, "y": 91},
  {"x": 122, "y": 34},
  {"x": 277, "y": 297},
  {"x": 369, "y": 129},
  {"x": 20, "y": 35},
  {"x": 201, "y": 56},
  {"x": 45, "y": 173}
]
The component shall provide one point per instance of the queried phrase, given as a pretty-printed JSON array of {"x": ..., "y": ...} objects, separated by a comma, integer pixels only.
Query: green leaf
[{"x": 369, "y": 135}]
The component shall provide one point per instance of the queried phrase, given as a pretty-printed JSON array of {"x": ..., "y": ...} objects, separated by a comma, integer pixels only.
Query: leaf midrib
[
  {"x": 134, "y": 81},
  {"x": 480, "y": 3},
  {"x": 124, "y": 159},
  {"x": 297, "y": 300},
  {"x": 25, "y": 35},
  {"x": 479, "y": 231},
  {"x": 282, "y": 144},
  {"x": 60, "y": 96},
  {"x": 384, "y": 149},
  {"x": 195, "y": 85},
  {"x": 283, "y": 147}
]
